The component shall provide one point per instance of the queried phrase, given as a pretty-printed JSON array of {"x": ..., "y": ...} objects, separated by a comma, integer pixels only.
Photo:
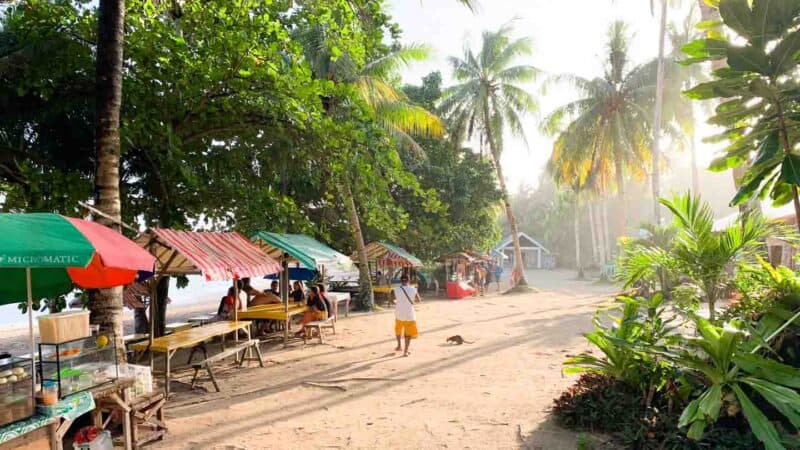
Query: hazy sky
[{"x": 569, "y": 36}]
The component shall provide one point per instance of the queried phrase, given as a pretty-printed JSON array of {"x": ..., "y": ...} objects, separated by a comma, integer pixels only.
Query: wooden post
[
  {"x": 236, "y": 309},
  {"x": 284, "y": 277}
]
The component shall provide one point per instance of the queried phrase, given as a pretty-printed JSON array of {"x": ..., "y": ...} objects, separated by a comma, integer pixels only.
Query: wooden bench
[
  {"x": 147, "y": 412},
  {"x": 233, "y": 351},
  {"x": 318, "y": 325}
]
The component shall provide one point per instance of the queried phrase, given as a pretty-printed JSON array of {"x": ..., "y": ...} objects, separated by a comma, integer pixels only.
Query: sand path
[{"x": 494, "y": 393}]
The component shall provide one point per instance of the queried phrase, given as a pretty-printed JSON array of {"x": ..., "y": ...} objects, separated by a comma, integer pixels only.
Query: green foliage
[
  {"x": 647, "y": 262},
  {"x": 464, "y": 184},
  {"x": 757, "y": 93},
  {"x": 600, "y": 404},
  {"x": 607, "y": 130},
  {"x": 733, "y": 377},
  {"x": 641, "y": 323},
  {"x": 698, "y": 251}
]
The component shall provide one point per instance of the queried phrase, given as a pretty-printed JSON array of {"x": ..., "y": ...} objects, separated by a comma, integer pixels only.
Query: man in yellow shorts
[{"x": 405, "y": 318}]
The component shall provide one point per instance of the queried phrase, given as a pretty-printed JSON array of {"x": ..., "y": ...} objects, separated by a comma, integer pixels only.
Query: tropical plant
[
  {"x": 648, "y": 260},
  {"x": 732, "y": 375},
  {"x": 641, "y": 323},
  {"x": 700, "y": 252},
  {"x": 678, "y": 108},
  {"x": 758, "y": 90},
  {"x": 606, "y": 133},
  {"x": 489, "y": 100}
]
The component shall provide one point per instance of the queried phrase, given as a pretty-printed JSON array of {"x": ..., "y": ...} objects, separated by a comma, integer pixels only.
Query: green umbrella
[{"x": 45, "y": 255}]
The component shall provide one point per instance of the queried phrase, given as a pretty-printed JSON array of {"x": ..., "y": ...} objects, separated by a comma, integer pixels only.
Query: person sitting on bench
[
  {"x": 317, "y": 309},
  {"x": 298, "y": 294},
  {"x": 260, "y": 298}
]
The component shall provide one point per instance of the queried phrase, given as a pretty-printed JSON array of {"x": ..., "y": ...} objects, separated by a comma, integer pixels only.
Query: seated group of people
[{"x": 315, "y": 298}]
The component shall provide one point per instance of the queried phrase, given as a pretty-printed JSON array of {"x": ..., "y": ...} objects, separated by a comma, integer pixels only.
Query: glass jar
[{"x": 49, "y": 393}]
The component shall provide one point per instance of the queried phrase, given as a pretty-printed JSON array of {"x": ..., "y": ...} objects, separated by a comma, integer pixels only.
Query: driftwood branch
[{"x": 325, "y": 386}]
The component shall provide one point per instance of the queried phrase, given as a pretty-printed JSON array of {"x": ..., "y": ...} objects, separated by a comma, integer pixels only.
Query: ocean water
[{"x": 197, "y": 291}]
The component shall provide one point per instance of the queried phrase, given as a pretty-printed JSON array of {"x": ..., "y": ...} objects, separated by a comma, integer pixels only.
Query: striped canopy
[
  {"x": 307, "y": 252},
  {"x": 390, "y": 255},
  {"x": 216, "y": 256}
]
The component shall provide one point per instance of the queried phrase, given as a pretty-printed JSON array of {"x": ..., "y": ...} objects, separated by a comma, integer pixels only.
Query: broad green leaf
[
  {"x": 790, "y": 169},
  {"x": 782, "y": 57},
  {"x": 769, "y": 370},
  {"x": 785, "y": 400},
  {"x": 737, "y": 15},
  {"x": 697, "y": 429},
  {"x": 767, "y": 151},
  {"x": 771, "y": 18},
  {"x": 749, "y": 59},
  {"x": 759, "y": 424},
  {"x": 752, "y": 182},
  {"x": 711, "y": 402},
  {"x": 689, "y": 413},
  {"x": 706, "y": 49}
]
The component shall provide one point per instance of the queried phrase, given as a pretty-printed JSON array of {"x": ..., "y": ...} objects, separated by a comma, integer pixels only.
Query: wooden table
[
  {"x": 177, "y": 326},
  {"x": 335, "y": 298},
  {"x": 275, "y": 312},
  {"x": 201, "y": 320},
  {"x": 169, "y": 345}
]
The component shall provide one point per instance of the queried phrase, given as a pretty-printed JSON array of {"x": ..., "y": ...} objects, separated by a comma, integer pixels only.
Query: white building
[{"x": 534, "y": 254}]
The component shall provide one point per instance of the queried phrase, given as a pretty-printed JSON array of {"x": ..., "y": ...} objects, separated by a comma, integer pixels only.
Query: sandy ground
[{"x": 494, "y": 393}]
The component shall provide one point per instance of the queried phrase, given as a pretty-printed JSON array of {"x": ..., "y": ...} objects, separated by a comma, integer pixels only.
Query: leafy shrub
[
  {"x": 599, "y": 404},
  {"x": 640, "y": 324}
]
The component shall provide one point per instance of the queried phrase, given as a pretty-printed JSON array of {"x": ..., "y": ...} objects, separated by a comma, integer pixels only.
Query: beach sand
[{"x": 494, "y": 393}]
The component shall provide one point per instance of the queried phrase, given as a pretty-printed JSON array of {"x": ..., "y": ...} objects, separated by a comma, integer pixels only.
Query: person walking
[
  {"x": 498, "y": 272},
  {"x": 405, "y": 317}
]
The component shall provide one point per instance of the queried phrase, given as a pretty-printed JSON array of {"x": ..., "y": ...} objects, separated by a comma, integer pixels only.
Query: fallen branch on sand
[
  {"x": 414, "y": 401},
  {"x": 343, "y": 380},
  {"x": 492, "y": 422},
  {"x": 324, "y": 386}
]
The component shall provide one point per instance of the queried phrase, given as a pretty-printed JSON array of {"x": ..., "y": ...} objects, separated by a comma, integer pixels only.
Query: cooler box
[
  {"x": 459, "y": 289},
  {"x": 64, "y": 327}
]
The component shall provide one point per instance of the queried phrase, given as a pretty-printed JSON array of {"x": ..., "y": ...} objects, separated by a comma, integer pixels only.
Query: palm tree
[
  {"x": 703, "y": 254},
  {"x": 658, "y": 112},
  {"x": 389, "y": 106},
  {"x": 679, "y": 78},
  {"x": 607, "y": 130},
  {"x": 488, "y": 101},
  {"x": 578, "y": 178},
  {"x": 106, "y": 304}
]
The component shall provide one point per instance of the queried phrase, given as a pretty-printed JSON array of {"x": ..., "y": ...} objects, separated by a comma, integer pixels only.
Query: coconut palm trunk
[
  {"x": 364, "y": 279},
  {"x": 695, "y": 172},
  {"x": 592, "y": 224},
  {"x": 576, "y": 222},
  {"x": 512, "y": 220},
  {"x": 657, "y": 114},
  {"x": 621, "y": 197},
  {"x": 606, "y": 235},
  {"x": 106, "y": 304}
]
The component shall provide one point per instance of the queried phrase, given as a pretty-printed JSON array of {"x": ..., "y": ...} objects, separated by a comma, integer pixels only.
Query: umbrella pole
[
  {"x": 30, "y": 327},
  {"x": 153, "y": 292}
]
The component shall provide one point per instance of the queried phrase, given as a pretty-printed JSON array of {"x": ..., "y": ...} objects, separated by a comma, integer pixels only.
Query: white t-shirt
[{"x": 404, "y": 309}]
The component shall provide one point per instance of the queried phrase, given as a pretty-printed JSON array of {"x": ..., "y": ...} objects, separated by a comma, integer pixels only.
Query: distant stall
[
  {"x": 306, "y": 258},
  {"x": 306, "y": 252},
  {"x": 386, "y": 262},
  {"x": 459, "y": 268}
]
